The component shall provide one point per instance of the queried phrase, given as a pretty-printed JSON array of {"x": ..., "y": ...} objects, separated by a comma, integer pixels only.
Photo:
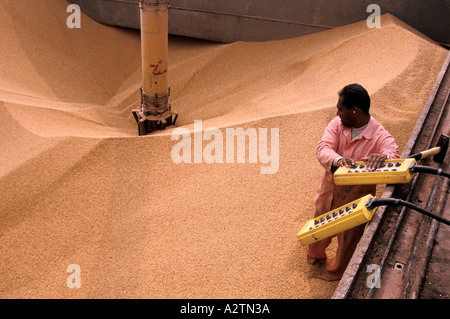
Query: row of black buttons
[
  {"x": 335, "y": 215},
  {"x": 367, "y": 171},
  {"x": 390, "y": 164}
]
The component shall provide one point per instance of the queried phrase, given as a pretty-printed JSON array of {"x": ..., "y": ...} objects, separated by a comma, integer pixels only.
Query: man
[{"x": 353, "y": 135}]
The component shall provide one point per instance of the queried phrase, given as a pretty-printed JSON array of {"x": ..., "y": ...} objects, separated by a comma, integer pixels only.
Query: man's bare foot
[{"x": 329, "y": 277}]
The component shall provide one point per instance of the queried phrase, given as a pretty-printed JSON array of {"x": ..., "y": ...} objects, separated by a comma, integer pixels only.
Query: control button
[
  {"x": 398, "y": 164},
  {"x": 390, "y": 164},
  {"x": 362, "y": 166}
]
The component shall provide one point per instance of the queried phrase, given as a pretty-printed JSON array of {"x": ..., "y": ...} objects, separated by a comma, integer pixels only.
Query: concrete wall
[{"x": 259, "y": 20}]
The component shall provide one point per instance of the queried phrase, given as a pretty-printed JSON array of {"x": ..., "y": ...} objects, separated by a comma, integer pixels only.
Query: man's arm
[{"x": 327, "y": 147}]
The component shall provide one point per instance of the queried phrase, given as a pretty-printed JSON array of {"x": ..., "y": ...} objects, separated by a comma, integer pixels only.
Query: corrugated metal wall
[{"x": 259, "y": 20}]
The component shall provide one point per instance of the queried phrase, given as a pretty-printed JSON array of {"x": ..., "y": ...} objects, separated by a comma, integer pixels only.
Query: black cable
[
  {"x": 398, "y": 202},
  {"x": 429, "y": 170}
]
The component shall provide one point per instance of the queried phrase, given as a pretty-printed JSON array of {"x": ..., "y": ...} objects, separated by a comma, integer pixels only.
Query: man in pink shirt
[{"x": 353, "y": 135}]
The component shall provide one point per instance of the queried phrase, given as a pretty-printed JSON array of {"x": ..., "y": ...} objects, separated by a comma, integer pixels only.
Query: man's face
[{"x": 345, "y": 114}]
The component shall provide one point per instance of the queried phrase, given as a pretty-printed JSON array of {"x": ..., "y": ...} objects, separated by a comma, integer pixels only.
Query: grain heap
[{"x": 79, "y": 187}]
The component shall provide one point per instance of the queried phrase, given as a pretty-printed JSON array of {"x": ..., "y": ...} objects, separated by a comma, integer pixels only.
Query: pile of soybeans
[{"x": 79, "y": 187}]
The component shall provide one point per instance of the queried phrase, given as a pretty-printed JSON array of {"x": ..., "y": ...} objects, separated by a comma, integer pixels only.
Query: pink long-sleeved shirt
[{"x": 336, "y": 142}]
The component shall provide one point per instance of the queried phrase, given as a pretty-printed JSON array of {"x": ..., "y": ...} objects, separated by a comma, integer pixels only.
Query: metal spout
[{"x": 155, "y": 110}]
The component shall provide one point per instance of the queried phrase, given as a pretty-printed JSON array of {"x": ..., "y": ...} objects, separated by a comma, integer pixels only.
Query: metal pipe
[
  {"x": 155, "y": 110},
  {"x": 154, "y": 46}
]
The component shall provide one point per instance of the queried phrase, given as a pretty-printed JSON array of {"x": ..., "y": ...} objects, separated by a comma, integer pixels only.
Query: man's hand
[
  {"x": 347, "y": 162},
  {"x": 374, "y": 161}
]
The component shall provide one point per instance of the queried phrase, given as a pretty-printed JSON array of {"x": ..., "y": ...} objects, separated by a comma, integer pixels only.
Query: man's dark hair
[{"x": 354, "y": 95}]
